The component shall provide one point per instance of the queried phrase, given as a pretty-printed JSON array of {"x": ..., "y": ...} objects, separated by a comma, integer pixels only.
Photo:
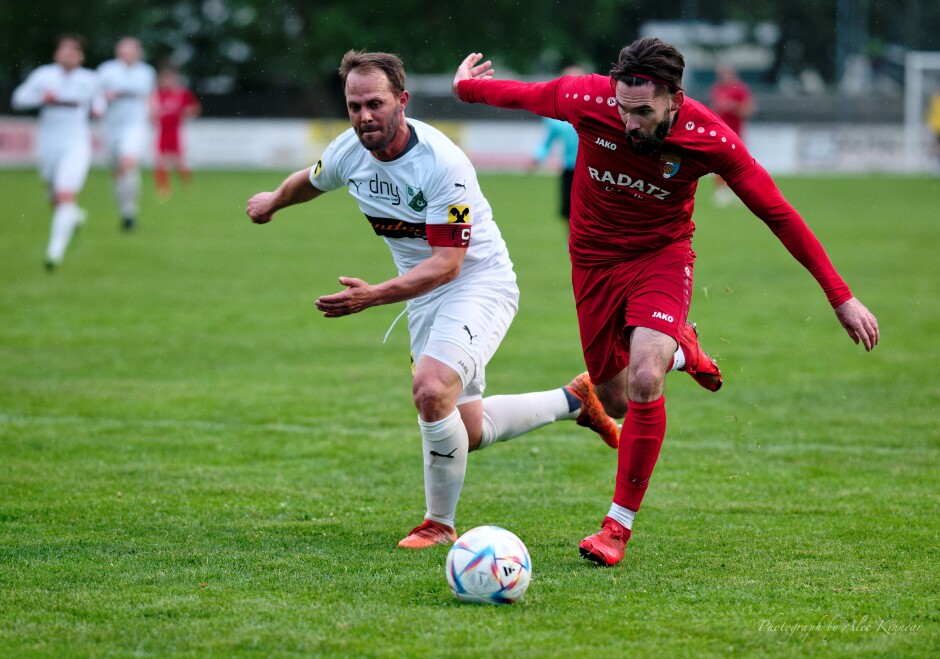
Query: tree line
[{"x": 252, "y": 48}]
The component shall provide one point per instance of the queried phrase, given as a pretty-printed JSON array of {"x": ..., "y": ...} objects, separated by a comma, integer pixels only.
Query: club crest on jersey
[
  {"x": 670, "y": 165},
  {"x": 458, "y": 215},
  {"x": 416, "y": 200},
  {"x": 318, "y": 168}
]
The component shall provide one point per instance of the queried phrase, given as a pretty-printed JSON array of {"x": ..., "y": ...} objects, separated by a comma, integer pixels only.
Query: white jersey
[
  {"x": 131, "y": 87},
  {"x": 433, "y": 182},
  {"x": 67, "y": 118}
]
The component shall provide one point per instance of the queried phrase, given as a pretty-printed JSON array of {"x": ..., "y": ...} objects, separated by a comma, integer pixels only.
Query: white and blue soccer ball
[{"x": 488, "y": 565}]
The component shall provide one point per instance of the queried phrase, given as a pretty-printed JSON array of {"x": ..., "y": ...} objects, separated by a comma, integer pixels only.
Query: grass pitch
[{"x": 193, "y": 462}]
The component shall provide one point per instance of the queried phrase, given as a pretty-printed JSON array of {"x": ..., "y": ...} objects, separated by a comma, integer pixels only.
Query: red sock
[{"x": 640, "y": 440}]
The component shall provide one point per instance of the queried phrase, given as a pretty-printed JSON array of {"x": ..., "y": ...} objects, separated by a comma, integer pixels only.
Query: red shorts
[
  {"x": 652, "y": 291},
  {"x": 169, "y": 141}
]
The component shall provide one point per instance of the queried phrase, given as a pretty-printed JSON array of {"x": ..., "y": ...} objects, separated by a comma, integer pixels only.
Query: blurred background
[{"x": 808, "y": 62}]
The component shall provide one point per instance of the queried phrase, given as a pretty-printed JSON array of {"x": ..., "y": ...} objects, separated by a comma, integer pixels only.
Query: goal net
[{"x": 921, "y": 81}]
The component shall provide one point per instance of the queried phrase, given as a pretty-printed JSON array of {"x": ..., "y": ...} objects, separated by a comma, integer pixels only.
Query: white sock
[
  {"x": 64, "y": 220},
  {"x": 678, "y": 360},
  {"x": 127, "y": 190},
  {"x": 445, "y": 445},
  {"x": 622, "y": 515},
  {"x": 505, "y": 417}
]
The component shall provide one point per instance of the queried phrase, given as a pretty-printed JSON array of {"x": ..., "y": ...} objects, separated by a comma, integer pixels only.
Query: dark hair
[
  {"x": 71, "y": 36},
  {"x": 390, "y": 65},
  {"x": 650, "y": 60}
]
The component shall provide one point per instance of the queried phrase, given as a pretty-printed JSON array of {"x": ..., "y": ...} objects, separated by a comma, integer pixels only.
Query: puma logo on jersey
[
  {"x": 460, "y": 185},
  {"x": 607, "y": 145},
  {"x": 472, "y": 335},
  {"x": 461, "y": 214}
]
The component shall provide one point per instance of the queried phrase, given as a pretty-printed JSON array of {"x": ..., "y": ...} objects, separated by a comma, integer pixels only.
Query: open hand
[
  {"x": 472, "y": 69},
  {"x": 357, "y": 297}
]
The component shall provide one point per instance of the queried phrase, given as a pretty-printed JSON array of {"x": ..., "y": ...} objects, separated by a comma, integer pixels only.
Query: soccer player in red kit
[
  {"x": 643, "y": 147},
  {"x": 172, "y": 103},
  {"x": 732, "y": 101}
]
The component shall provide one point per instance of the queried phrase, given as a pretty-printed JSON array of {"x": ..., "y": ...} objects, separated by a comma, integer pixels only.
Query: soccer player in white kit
[
  {"x": 128, "y": 83},
  {"x": 66, "y": 94},
  {"x": 420, "y": 193}
]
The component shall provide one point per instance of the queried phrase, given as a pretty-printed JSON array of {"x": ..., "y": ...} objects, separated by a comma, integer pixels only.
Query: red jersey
[
  {"x": 727, "y": 100},
  {"x": 625, "y": 204},
  {"x": 171, "y": 106}
]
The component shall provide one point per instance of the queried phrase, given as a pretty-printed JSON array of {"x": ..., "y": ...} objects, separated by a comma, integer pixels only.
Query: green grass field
[{"x": 193, "y": 462}]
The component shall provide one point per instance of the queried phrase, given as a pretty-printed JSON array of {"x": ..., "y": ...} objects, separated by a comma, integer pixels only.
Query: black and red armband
[{"x": 449, "y": 235}]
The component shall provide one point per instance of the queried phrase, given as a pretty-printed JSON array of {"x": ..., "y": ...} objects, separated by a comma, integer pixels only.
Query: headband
[{"x": 671, "y": 86}]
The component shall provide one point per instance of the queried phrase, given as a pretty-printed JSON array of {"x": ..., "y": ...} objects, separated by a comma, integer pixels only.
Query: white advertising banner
[{"x": 492, "y": 145}]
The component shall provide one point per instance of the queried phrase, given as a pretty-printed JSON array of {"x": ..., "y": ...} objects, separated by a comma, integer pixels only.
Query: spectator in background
[
  {"x": 567, "y": 136},
  {"x": 933, "y": 122},
  {"x": 171, "y": 105},
  {"x": 127, "y": 82},
  {"x": 65, "y": 94},
  {"x": 732, "y": 101}
]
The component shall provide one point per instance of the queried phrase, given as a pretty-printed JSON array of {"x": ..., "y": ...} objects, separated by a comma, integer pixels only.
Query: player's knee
[
  {"x": 646, "y": 383},
  {"x": 430, "y": 396}
]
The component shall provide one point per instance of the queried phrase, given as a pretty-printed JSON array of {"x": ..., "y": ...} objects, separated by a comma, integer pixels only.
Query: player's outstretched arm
[
  {"x": 295, "y": 189},
  {"x": 442, "y": 266},
  {"x": 859, "y": 322},
  {"x": 471, "y": 69}
]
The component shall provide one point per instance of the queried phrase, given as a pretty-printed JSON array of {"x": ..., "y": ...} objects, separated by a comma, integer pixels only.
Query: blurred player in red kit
[
  {"x": 731, "y": 100},
  {"x": 172, "y": 104},
  {"x": 644, "y": 144}
]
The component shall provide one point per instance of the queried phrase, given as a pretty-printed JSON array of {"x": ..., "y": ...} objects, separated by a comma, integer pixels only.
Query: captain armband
[{"x": 448, "y": 235}]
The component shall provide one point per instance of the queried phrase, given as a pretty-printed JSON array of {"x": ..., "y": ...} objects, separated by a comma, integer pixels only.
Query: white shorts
[
  {"x": 127, "y": 141},
  {"x": 64, "y": 165},
  {"x": 462, "y": 328}
]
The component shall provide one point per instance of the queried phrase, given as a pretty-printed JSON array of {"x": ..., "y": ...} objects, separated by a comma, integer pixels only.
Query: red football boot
[
  {"x": 607, "y": 546},
  {"x": 698, "y": 364}
]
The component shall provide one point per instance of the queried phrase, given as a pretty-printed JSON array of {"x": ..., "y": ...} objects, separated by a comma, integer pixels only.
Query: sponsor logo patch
[
  {"x": 458, "y": 215},
  {"x": 416, "y": 200},
  {"x": 392, "y": 228}
]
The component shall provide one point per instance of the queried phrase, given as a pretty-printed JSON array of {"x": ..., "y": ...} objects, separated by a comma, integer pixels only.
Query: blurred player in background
[
  {"x": 421, "y": 195},
  {"x": 731, "y": 100},
  {"x": 933, "y": 123},
  {"x": 563, "y": 133},
  {"x": 65, "y": 94},
  {"x": 172, "y": 104},
  {"x": 127, "y": 82},
  {"x": 644, "y": 145}
]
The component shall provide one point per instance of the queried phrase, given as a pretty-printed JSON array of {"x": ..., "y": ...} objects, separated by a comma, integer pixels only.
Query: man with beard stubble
[{"x": 643, "y": 147}]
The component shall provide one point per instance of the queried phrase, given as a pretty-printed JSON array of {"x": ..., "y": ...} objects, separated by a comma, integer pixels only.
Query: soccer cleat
[
  {"x": 607, "y": 546},
  {"x": 592, "y": 413},
  {"x": 428, "y": 534},
  {"x": 698, "y": 364},
  {"x": 128, "y": 223}
]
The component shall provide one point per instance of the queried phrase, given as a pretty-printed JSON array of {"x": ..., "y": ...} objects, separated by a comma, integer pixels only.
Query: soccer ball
[{"x": 488, "y": 565}]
